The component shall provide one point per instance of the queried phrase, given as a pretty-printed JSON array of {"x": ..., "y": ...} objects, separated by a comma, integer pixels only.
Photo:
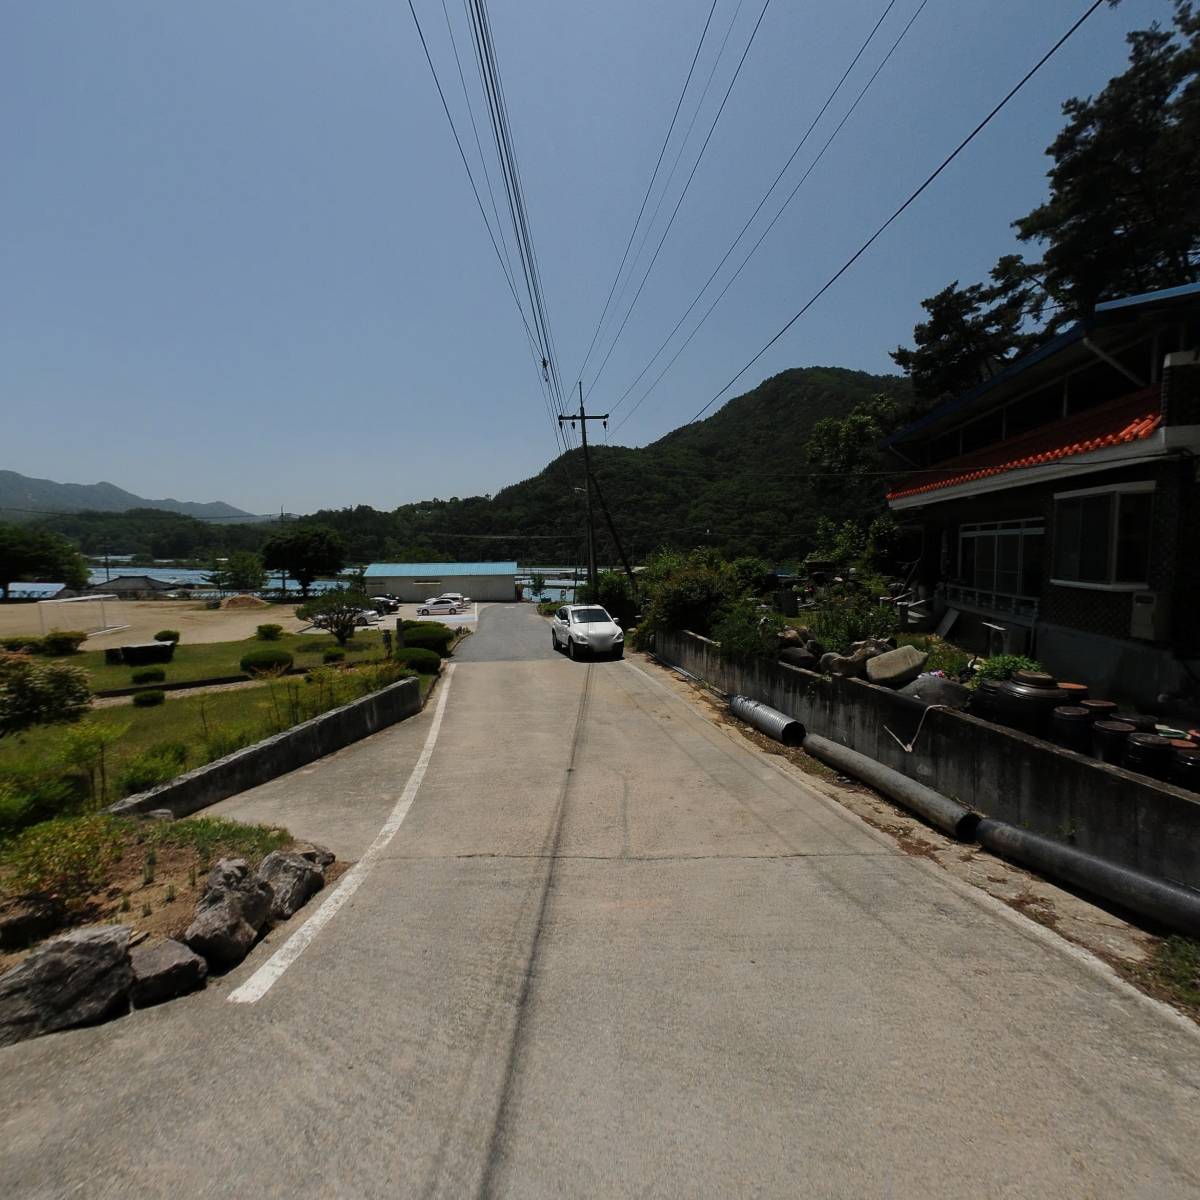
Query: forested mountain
[{"x": 21, "y": 492}]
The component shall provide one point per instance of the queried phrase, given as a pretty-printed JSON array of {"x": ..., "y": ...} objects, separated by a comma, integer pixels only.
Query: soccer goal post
[{"x": 89, "y": 614}]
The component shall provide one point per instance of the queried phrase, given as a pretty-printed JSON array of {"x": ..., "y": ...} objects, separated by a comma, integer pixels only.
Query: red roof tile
[{"x": 1129, "y": 419}]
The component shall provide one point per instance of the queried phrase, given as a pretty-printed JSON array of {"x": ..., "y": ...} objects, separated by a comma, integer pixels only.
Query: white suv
[{"x": 586, "y": 628}]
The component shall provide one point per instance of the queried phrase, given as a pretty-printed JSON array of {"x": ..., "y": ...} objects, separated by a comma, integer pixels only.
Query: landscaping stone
[
  {"x": 897, "y": 667},
  {"x": 797, "y": 656},
  {"x": 826, "y": 661},
  {"x": 164, "y": 971},
  {"x": 77, "y": 979},
  {"x": 319, "y": 855},
  {"x": 292, "y": 879},
  {"x": 789, "y": 637},
  {"x": 230, "y": 914},
  {"x": 25, "y": 923},
  {"x": 814, "y": 647},
  {"x": 870, "y": 647},
  {"x": 935, "y": 689},
  {"x": 848, "y": 666}
]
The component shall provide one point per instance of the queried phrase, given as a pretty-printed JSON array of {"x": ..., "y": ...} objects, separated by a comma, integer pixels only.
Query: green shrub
[
  {"x": 150, "y": 698},
  {"x": 427, "y": 662},
  {"x": 547, "y": 608},
  {"x": 267, "y": 661},
  {"x": 167, "y": 635},
  {"x": 220, "y": 742},
  {"x": 152, "y": 766},
  {"x": 334, "y": 654},
  {"x": 1004, "y": 666},
  {"x": 426, "y": 624},
  {"x": 27, "y": 797},
  {"x": 149, "y": 675},
  {"x": 842, "y": 619},
  {"x": 62, "y": 641},
  {"x": 67, "y": 858},
  {"x": 17, "y": 644},
  {"x": 33, "y": 693},
  {"x": 436, "y": 638},
  {"x": 744, "y": 632},
  {"x": 269, "y": 633}
]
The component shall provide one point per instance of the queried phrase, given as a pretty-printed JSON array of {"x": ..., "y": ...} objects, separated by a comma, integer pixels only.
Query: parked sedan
[
  {"x": 581, "y": 629},
  {"x": 441, "y": 605}
]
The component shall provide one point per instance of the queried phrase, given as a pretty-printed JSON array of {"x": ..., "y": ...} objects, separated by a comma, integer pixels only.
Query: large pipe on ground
[
  {"x": 767, "y": 720},
  {"x": 1174, "y": 906},
  {"x": 948, "y": 815}
]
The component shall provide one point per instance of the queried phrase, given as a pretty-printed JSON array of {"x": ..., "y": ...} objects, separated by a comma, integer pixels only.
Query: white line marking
[{"x": 257, "y": 986}]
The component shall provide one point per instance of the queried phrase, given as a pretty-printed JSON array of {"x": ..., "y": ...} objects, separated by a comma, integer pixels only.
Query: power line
[
  {"x": 762, "y": 236},
  {"x": 903, "y": 207},
  {"x": 682, "y": 194},
  {"x": 649, "y": 189},
  {"x": 775, "y": 182}
]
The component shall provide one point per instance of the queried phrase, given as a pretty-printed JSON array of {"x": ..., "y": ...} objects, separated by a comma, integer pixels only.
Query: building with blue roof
[{"x": 415, "y": 582}]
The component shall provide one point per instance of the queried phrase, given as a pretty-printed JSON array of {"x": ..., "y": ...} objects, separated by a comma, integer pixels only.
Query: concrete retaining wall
[
  {"x": 998, "y": 772},
  {"x": 277, "y": 755}
]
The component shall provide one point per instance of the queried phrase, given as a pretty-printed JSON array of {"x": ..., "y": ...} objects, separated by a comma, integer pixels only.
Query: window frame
[
  {"x": 1019, "y": 529},
  {"x": 1116, "y": 490}
]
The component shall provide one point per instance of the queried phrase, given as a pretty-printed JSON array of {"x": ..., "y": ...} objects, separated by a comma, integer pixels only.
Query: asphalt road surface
[{"x": 613, "y": 950}]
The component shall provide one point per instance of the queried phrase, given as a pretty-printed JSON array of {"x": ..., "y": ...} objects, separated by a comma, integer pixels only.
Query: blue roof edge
[{"x": 375, "y": 570}]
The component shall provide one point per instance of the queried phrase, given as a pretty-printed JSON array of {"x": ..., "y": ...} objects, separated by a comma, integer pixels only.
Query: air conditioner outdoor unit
[
  {"x": 1006, "y": 639},
  {"x": 1148, "y": 621}
]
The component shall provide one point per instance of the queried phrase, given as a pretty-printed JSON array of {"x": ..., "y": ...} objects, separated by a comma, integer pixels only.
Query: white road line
[{"x": 257, "y": 986}]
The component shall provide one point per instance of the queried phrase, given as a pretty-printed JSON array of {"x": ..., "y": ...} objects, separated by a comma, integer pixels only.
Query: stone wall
[{"x": 1104, "y": 810}]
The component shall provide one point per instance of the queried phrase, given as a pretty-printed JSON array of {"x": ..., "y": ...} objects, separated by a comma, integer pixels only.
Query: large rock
[
  {"x": 896, "y": 667},
  {"x": 789, "y": 637},
  {"x": 937, "y": 689},
  {"x": 230, "y": 914},
  {"x": 318, "y": 855},
  {"x": 814, "y": 647},
  {"x": 292, "y": 879},
  {"x": 77, "y": 979},
  {"x": 164, "y": 971},
  {"x": 797, "y": 656},
  {"x": 848, "y": 666}
]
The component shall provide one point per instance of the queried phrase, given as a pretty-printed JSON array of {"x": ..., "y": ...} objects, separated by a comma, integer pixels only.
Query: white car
[
  {"x": 458, "y": 598},
  {"x": 586, "y": 629},
  {"x": 441, "y": 605}
]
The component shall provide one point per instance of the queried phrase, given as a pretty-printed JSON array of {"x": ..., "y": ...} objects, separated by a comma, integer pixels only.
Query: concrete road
[{"x": 612, "y": 951}]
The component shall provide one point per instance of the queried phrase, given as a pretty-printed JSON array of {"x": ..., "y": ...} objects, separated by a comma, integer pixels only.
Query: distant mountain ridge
[{"x": 19, "y": 492}]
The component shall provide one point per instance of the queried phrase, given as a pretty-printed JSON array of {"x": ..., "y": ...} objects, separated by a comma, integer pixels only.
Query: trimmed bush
[
  {"x": 150, "y": 698},
  {"x": 436, "y": 638},
  {"x": 149, "y": 675},
  {"x": 62, "y": 641},
  {"x": 334, "y": 654},
  {"x": 266, "y": 661},
  {"x": 18, "y": 643},
  {"x": 154, "y": 765},
  {"x": 167, "y": 635},
  {"x": 427, "y": 662},
  {"x": 269, "y": 633}
]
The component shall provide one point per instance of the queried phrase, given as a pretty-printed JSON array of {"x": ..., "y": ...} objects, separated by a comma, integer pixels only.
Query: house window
[
  {"x": 1102, "y": 536},
  {"x": 1004, "y": 557}
]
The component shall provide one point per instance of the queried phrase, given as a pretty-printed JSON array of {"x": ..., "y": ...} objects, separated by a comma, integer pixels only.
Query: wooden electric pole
[{"x": 583, "y": 418}]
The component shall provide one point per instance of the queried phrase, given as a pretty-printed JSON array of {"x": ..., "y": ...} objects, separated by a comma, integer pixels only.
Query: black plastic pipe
[
  {"x": 948, "y": 815},
  {"x": 1167, "y": 903}
]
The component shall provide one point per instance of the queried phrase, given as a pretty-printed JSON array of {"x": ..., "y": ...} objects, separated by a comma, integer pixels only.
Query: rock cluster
[{"x": 91, "y": 974}]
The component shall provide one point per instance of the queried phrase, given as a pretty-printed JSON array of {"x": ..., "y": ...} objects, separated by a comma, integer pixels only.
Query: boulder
[
  {"x": 319, "y": 855},
  {"x": 789, "y": 637},
  {"x": 234, "y": 908},
  {"x": 292, "y": 879},
  {"x": 803, "y": 633},
  {"x": 936, "y": 689},
  {"x": 848, "y": 666},
  {"x": 815, "y": 648},
  {"x": 164, "y": 971},
  {"x": 25, "y": 922},
  {"x": 897, "y": 667},
  {"x": 77, "y": 979},
  {"x": 797, "y": 656},
  {"x": 870, "y": 647},
  {"x": 826, "y": 661}
]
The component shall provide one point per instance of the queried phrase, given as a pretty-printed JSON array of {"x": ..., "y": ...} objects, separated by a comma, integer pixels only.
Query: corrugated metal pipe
[
  {"x": 939, "y": 810},
  {"x": 767, "y": 720},
  {"x": 1173, "y": 906}
]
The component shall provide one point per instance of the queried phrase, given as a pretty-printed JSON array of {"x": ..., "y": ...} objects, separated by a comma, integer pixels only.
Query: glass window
[
  {"x": 587, "y": 615},
  {"x": 1133, "y": 537},
  {"x": 1103, "y": 538}
]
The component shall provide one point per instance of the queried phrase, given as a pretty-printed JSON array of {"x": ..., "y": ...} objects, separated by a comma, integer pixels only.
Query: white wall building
[{"x": 415, "y": 582}]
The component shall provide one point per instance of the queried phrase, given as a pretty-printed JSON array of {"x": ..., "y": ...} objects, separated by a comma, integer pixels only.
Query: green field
[{"x": 216, "y": 660}]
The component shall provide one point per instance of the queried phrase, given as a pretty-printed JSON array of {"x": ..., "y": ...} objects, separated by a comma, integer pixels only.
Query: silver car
[{"x": 581, "y": 629}]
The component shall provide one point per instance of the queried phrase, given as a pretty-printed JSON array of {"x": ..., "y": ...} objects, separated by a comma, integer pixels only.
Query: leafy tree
[
  {"x": 613, "y": 593},
  {"x": 752, "y": 576},
  {"x": 32, "y": 554},
  {"x": 744, "y": 632},
  {"x": 684, "y": 591},
  {"x": 305, "y": 553},
  {"x": 1123, "y": 215},
  {"x": 537, "y": 583},
  {"x": 336, "y": 611},
  {"x": 244, "y": 572}
]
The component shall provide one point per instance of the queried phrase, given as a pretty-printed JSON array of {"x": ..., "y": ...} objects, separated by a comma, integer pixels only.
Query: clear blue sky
[{"x": 240, "y": 260}]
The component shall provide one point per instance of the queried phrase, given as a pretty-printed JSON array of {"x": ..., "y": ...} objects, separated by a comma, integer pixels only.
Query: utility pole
[{"x": 583, "y": 418}]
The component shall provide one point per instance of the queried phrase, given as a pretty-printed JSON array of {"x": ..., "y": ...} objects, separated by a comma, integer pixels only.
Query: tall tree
[
  {"x": 34, "y": 554},
  {"x": 305, "y": 553}
]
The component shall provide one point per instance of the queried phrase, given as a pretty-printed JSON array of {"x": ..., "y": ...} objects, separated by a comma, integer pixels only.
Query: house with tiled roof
[{"x": 1055, "y": 508}]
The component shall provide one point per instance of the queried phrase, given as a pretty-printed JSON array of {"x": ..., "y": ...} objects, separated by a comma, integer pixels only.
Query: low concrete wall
[
  {"x": 998, "y": 772},
  {"x": 277, "y": 755}
]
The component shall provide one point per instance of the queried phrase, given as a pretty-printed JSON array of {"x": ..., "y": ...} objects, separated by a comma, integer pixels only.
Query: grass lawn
[
  {"x": 197, "y": 728},
  {"x": 215, "y": 660}
]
